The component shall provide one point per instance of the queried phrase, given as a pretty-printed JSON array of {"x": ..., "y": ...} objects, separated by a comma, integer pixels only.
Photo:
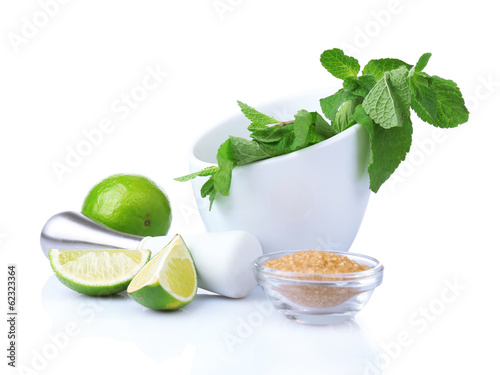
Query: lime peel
[
  {"x": 169, "y": 281},
  {"x": 97, "y": 271},
  {"x": 129, "y": 203}
]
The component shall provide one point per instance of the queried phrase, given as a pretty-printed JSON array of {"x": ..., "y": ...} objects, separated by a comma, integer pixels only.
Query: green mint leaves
[
  {"x": 388, "y": 147},
  {"x": 422, "y": 62},
  {"x": 257, "y": 118},
  {"x": 209, "y": 171},
  {"x": 388, "y": 102},
  {"x": 451, "y": 110},
  {"x": 340, "y": 65},
  {"x": 380, "y": 99},
  {"x": 377, "y": 68},
  {"x": 227, "y": 162},
  {"x": 268, "y": 138},
  {"x": 384, "y": 111}
]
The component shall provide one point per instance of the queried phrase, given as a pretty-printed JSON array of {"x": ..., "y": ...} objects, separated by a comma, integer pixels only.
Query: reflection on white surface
[{"x": 213, "y": 334}]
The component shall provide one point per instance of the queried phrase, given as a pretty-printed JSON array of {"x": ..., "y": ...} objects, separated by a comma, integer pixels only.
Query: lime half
[
  {"x": 168, "y": 281},
  {"x": 97, "y": 272}
]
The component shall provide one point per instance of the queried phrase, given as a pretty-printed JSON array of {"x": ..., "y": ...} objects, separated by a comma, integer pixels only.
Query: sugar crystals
[{"x": 316, "y": 261}]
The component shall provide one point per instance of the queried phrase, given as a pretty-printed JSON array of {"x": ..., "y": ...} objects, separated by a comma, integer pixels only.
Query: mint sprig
[
  {"x": 388, "y": 102},
  {"x": 380, "y": 99},
  {"x": 258, "y": 119}
]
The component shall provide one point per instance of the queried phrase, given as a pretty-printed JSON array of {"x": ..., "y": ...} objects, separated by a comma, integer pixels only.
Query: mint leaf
[
  {"x": 338, "y": 64},
  {"x": 388, "y": 147},
  {"x": 350, "y": 83},
  {"x": 359, "y": 86},
  {"x": 204, "y": 172},
  {"x": 255, "y": 116},
  {"x": 208, "y": 189},
  {"x": 436, "y": 100},
  {"x": 399, "y": 80},
  {"x": 361, "y": 117},
  {"x": 451, "y": 110},
  {"x": 270, "y": 134},
  {"x": 283, "y": 146},
  {"x": 377, "y": 68},
  {"x": 422, "y": 62},
  {"x": 227, "y": 162},
  {"x": 211, "y": 198},
  {"x": 245, "y": 151},
  {"x": 331, "y": 104},
  {"x": 366, "y": 83},
  {"x": 302, "y": 125},
  {"x": 354, "y": 90},
  {"x": 344, "y": 115},
  {"x": 253, "y": 126},
  {"x": 388, "y": 103},
  {"x": 350, "y": 95},
  {"x": 423, "y": 97},
  {"x": 323, "y": 129}
]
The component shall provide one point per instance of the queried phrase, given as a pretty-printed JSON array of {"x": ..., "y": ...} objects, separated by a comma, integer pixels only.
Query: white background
[{"x": 433, "y": 227}]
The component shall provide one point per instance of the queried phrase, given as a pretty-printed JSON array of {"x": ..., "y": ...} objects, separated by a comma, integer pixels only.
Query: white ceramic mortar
[{"x": 314, "y": 198}]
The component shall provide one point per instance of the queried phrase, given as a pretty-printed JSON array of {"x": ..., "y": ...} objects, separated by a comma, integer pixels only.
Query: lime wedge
[
  {"x": 97, "y": 272},
  {"x": 168, "y": 281}
]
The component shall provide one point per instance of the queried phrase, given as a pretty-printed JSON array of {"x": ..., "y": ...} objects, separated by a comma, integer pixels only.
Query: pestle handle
[{"x": 73, "y": 230}]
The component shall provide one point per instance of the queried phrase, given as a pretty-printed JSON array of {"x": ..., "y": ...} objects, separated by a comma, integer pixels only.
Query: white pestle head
[{"x": 223, "y": 260}]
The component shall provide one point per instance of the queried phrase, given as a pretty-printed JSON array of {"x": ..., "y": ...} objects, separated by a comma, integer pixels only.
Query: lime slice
[
  {"x": 168, "y": 281},
  {"x": 97, "y": 272}
]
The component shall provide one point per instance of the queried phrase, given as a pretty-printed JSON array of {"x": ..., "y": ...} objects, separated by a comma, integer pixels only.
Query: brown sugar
[
  {"x": 316, "y": 261},
  {"x": 317, "y": 265}
]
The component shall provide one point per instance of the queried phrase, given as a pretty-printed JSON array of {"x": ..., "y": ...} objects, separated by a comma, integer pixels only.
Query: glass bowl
[{"x": 319, "y": 299}]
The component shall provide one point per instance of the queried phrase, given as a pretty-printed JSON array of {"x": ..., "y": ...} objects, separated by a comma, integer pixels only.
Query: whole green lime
[{"x": 131, "y": 204}]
